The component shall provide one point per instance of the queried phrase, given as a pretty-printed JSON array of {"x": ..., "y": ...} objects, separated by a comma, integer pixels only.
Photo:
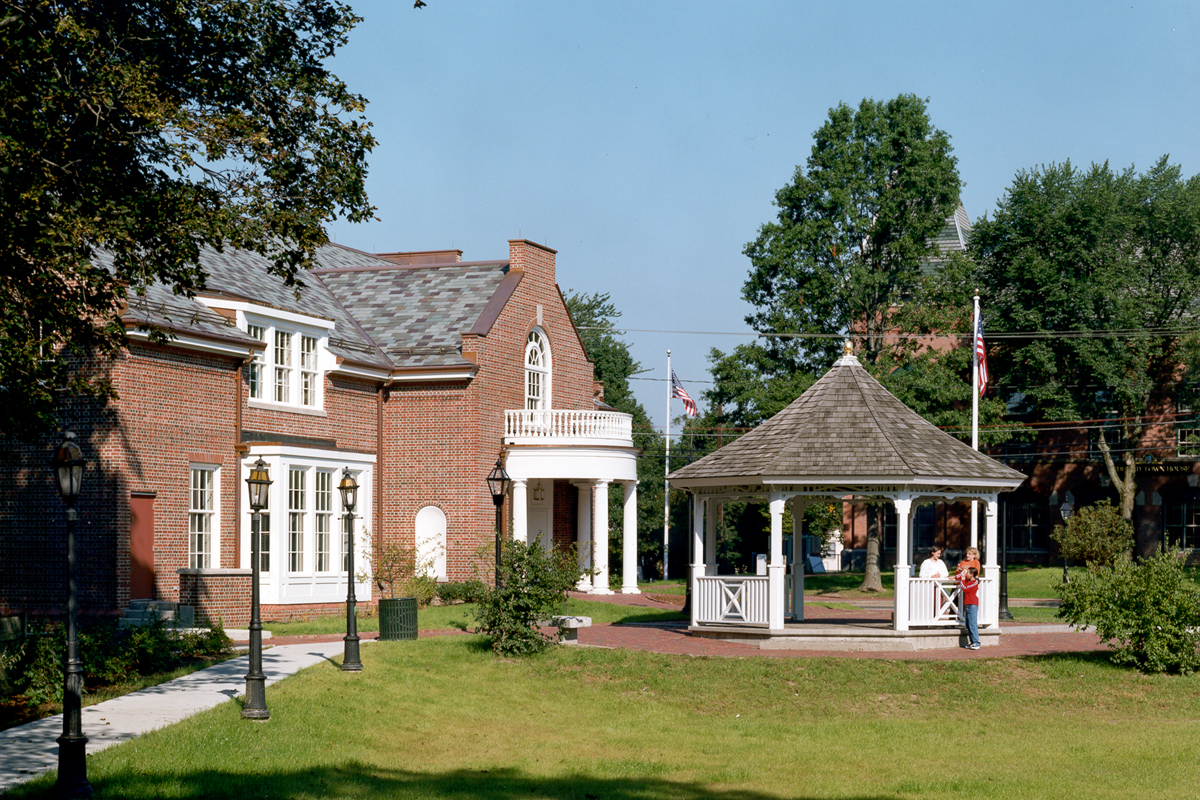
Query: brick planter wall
[{"x": 218, "y": 595}]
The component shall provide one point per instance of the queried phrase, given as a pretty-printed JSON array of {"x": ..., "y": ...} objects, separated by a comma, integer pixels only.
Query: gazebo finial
[{"x": 848, "y": 348}]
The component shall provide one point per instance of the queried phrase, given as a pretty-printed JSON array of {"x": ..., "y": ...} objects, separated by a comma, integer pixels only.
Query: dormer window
[
  {"x": 537, "y": 371},
  {"x": 290, "y": 369}
]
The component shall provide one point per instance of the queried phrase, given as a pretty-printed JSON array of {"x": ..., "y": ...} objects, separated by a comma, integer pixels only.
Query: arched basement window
[{"x": 537, "y": 371}]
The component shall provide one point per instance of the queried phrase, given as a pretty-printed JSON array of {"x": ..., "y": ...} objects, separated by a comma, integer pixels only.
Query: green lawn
[
  {"x": 443, "y": 718},
  {"x": 462, "y": 617}
]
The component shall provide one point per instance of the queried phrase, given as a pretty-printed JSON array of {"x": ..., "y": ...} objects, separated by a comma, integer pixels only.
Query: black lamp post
[
  {"x": 258, "y": 483},
  {"x": 497, "y": 481},
  {"x": 72, "y": 745},
  {"x": 349, "y": 489},
  {"x": 1066, "y": 510},
  {"x": 1003, "y": 612}
]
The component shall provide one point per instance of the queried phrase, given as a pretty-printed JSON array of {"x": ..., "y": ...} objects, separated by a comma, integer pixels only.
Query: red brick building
[{"x": 416, "y": 371}]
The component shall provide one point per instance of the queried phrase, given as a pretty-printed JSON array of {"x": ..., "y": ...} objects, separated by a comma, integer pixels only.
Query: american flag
[
  {"x": 980, "y": 356},
  {"x": 677, "y": 390}
]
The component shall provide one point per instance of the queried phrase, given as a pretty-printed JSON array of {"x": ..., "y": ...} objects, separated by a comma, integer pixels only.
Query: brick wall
[{"x": 218, "y": 595}]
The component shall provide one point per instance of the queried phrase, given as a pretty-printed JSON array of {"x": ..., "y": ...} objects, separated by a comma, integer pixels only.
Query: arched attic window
[{"x": 537, "y": 371}]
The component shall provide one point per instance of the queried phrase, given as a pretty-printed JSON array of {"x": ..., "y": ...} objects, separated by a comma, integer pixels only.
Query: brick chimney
[{"x": 532, "y": 258}]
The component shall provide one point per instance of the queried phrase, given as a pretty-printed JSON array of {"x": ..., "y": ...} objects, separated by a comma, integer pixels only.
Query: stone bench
[{"x": 568, "y": 628}]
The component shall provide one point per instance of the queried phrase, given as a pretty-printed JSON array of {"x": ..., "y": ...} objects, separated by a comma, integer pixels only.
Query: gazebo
[{"x": 845, "y": 438}]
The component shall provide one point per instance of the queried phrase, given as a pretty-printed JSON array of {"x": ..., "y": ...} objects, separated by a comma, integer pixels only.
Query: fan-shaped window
[{"x": 537, "y": 371}]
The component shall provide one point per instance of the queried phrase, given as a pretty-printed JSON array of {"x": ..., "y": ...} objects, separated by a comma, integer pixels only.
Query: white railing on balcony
[
  {"x": 565, "y": 424},
  {"x": 741, "y": 598},
  {"x": 937, "y": 601}
]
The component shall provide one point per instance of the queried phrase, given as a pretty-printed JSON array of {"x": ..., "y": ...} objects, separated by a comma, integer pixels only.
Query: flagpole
[
  {"x": 975, "y": 414},
  {"x": 667, "y": 483}
]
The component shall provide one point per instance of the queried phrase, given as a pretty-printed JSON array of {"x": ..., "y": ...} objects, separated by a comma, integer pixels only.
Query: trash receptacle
[{"x": 397, "y": 618}]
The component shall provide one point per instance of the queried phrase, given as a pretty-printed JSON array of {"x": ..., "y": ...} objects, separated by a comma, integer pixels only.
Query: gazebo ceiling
[{"x": 847, "y": 429}]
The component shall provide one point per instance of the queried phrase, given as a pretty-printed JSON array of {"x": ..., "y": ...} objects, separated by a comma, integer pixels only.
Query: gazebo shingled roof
[{"x": 847, "y": 428}]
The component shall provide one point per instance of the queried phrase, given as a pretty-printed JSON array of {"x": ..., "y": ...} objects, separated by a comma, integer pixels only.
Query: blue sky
[{"x": 645, "y": 141}]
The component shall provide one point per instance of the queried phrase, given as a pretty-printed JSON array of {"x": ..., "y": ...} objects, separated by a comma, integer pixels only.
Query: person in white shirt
[{"x": 934, "y": 567}]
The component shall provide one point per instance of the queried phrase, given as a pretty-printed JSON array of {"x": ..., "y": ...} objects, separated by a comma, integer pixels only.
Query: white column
[
  {"x": 629, "y": 533},
  {"x": 696, "y": 570},
  {"x": 775, "y": 569},
  {"x": 600, "y": 540},
  {"x": 710, "y": 536},
  {"x": 991, "y": 609},
  {"x": 903, "y": 570},
  {"x": 583, "y": 533},
  {"x": 520, "y": 511}
]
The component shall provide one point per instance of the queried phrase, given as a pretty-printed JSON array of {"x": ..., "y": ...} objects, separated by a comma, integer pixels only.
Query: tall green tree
[
  {"x": 1101, "y": 269},
  {"x": 152, "y": 129},
  {"x": 854, "y": 229},
  {"x": 595, "y": 316}
]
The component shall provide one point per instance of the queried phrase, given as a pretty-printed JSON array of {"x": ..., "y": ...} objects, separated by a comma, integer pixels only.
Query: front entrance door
[{"x": 541, "y": 512}]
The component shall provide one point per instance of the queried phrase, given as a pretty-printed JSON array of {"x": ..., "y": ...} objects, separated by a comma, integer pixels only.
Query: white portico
[
  {"x": 590, "y": 450},
  {"x": 845, "y": 438}
]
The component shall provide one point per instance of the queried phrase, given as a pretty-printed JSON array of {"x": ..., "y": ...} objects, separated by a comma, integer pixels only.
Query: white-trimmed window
[
  {"x": 264, "y": 538},
  {"x": 324, "y": 518},
  {"x": 309, "y": 563},
  {"x": 256, "y": 374},
  {"x": 537, "y": 371},
  {"x": 290, "y": 369},
  {"x": 308, "y": 371},
  {"x": 202, "y": 517},
  {"x": 297, "y": 502},
  {"x": 283, "y": 367}
]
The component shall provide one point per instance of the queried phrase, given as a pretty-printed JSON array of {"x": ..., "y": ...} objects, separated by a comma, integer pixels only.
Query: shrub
[
  {"x": 1148, "y": 613},
  {"x": 534, "y": 586},
  {"x": 401, "y": 571},
  {"x": 464, "y": 592},
  {"x": 1098, "y": 535}
]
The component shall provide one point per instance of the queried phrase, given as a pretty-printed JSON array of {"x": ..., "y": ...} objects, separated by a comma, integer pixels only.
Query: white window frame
[
  {"x": 538, "y": 370},
  {"x": 256, "y": 375},
  {"x": 204, "y": 511},
  {"x": 280, "y": 584},
  {"x": 303, "y": 365}
]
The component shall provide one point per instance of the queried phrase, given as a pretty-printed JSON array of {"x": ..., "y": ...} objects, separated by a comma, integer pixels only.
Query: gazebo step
[{"x": 845, "y": 637}]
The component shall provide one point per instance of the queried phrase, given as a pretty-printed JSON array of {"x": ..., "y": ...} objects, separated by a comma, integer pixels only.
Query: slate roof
[
  {"x": 386, "y": 315},
  {"x": 417, "y": 313},
  {"x": 847, "y": 428},
  {"x": 242, "y": 275}
]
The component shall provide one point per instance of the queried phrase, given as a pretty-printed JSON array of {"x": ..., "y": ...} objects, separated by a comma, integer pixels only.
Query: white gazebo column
[
  {"x": 600, "y": 540},
  {"x": 583, "y": 534},
  {"x": 520, "y": 511},
  {"x": 775, "y": 570},
  {"x": 710, "y": 536},
  {"x": 990, "y": 612},
  {"x": 903, "y": 570},
  {"x": 697, "y": 567},
  {"x": 629, "y": 540}
]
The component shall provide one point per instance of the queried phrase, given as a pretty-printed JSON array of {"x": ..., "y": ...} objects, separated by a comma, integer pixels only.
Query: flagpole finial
[{"x": 668, "y": 352}]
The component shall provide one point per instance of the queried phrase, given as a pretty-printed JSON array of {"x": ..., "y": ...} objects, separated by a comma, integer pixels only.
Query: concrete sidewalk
[{"x": 31, "y": 749}]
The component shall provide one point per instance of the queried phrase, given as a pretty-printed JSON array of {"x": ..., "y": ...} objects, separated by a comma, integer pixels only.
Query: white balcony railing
[
  {"x": 609, "y": 426},
  {"x": 938, "y": 602},
  {"x": 737, "y": 599}
]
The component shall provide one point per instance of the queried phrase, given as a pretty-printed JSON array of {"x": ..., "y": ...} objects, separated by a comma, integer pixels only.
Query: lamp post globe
[
  {"x": 351, "y": 662},
  {"x": 258, "y": 483},
  {"x": 72, "y": 779},
  {"x": 498, "y": 481}
]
